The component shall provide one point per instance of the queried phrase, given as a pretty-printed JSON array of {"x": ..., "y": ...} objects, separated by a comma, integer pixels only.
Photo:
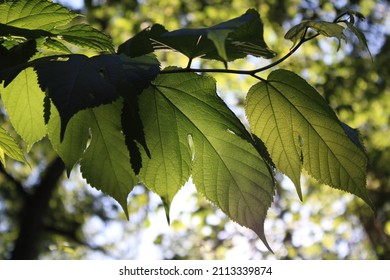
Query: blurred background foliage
[{"x": 78, "y": 222}]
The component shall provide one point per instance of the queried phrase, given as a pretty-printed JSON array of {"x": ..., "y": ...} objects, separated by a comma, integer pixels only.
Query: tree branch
[
  {"x": 18, "y": 185},
  {"x": 27, "y": 245}
]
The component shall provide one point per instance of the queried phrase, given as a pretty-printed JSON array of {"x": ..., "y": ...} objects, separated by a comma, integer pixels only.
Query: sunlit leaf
[
  {"x": 9, "y": 147},
  {"x": 189, "y": 128},
  {"x": 35, "y": 14},
  {"x": 106, "y": 163},
  {"x": 72, "y": 147},
  {"x": 42, "y": 19},
  {"x": 56, "y": 45},
  {"x": 301, "y": 130},
  {"x": 86, "y": 36},
  {"x": 23, "y": 100}
]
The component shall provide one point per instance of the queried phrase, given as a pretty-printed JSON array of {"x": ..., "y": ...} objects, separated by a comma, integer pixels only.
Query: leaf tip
[
  {"x": 260, "y": 233},
  {"x": 167, "y": 206}
]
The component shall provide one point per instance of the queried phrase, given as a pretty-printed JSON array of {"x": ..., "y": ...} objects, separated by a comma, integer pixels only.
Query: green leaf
[
  {"x": 72, "y": 147},
  {"x": 82, "y": 82},
  {"x": 56, "y": 45},
  {"x": 106, "y": 163},
  {"x": 189, "y": 128},
  {"x": 35, "y": 14},
  {"x": 218, "y": 37},
  {"x": 86, "y": 36},
  {"x": 38, "y": 18},
  {"x": 361, "y": 37},
  {"x": 328, "y": 29},
  {"x": 9, "y": 147},
  {"x": 300, "y": 129},
  {"x": 229, "y": 40},
  {"x": 23, "y": 101}
]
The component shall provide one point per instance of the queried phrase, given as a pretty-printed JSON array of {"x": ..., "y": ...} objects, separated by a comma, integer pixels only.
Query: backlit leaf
[
  {"x": 106, "y": 163},
  {"x": 86, "y": 36},
  {"x": 189, "y": 128},
  {"x": 361, "y": 37},
  {"x": 35, "y": 14},
  {"x": 9, "y": 147},
  {"x": 301, "y": 130},
  {"x": 328, "y": 29},
  {"x": 72, "y": 147},
  {"x": 41, "y": 19},
  {"x": 23, "y": 100}
]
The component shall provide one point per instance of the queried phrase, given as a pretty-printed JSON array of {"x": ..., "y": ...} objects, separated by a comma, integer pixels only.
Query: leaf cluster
[{"x": 128, "y": 122}]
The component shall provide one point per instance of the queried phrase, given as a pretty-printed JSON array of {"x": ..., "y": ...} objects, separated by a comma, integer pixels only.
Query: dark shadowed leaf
[
  {"x": 361, "y": 37},
  {"x": 12, "y": 61},
  {"x": 81, "y": 82},
  {"x": 226, "y": 41}
]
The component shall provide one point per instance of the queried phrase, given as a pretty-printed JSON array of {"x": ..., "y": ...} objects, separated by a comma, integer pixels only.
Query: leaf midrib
[
  {"x": 207, "y": 140},
  {"x": 309, "y": 124}
]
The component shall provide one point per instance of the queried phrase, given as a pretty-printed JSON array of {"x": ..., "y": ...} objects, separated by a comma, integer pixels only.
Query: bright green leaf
[
  {"x": 34, "y": 14},
  {"x": 9, "y": 147},
  {"x": 188, "y": 127},
  {"x": 300, "y": 129},
  {"x": 23, "y": 101},
  {"x": 39, "y": 18},
  {"x": 219, "y": 39},
  {"x": 86, "y": 36},
  {"x": 56, "y": 45},
  {"x": 72, "y": 147},
  {"x": 106, "y": 162}
]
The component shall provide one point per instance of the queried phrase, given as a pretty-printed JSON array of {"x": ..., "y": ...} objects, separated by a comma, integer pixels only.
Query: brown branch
[{"x": 27, "y": 245}]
